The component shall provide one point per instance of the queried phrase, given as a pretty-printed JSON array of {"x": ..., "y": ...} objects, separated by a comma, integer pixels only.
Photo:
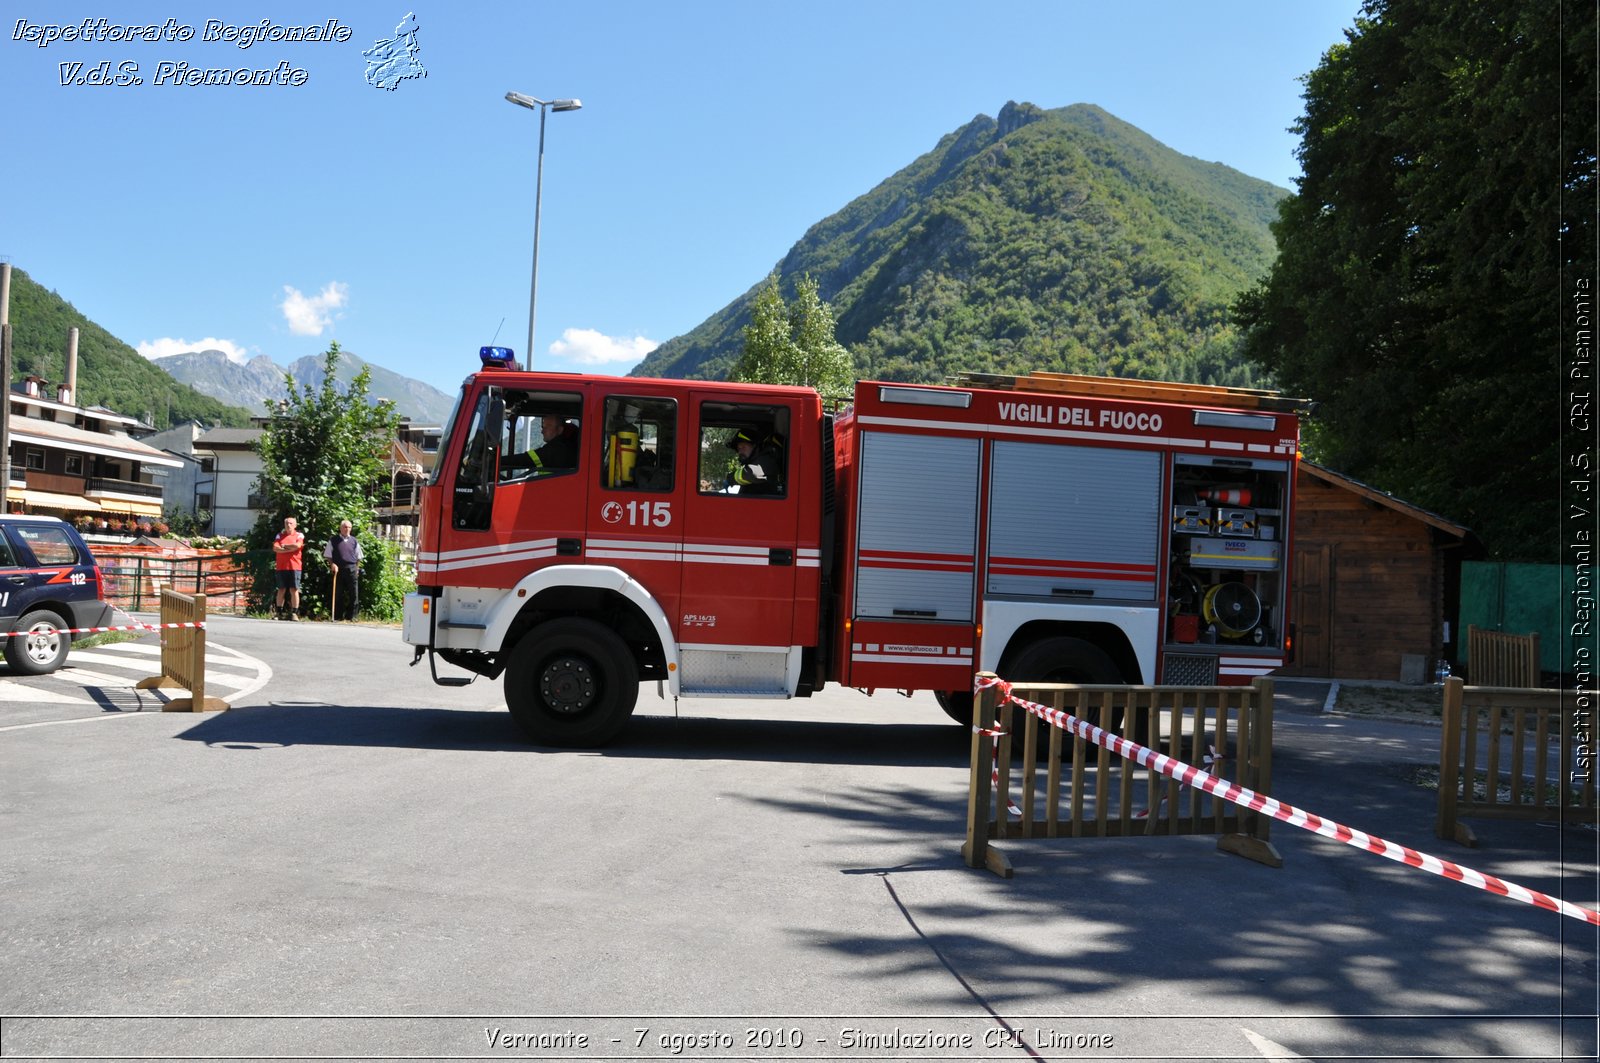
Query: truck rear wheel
[
  {"x": 957, "y": 704},
  {"x": 1059, "y": 659},
  {"x": 571, "y": 683},
  {"x": 1064, "y": 659}
]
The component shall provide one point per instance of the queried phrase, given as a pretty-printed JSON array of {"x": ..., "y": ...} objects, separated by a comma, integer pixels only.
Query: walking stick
[{"x": 333, "y": 609}]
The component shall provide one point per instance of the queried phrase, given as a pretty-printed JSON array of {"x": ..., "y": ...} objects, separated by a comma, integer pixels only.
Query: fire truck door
[
  {"x": 636, "y": 508},
  {"x": 736, "y": 616},
  {"x": 518, "y": 491}
]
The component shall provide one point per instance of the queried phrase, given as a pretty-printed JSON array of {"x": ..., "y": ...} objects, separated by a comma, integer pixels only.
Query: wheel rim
[
  {"x": 569, "y": 685},
  {"x": 42, "y": 643}
]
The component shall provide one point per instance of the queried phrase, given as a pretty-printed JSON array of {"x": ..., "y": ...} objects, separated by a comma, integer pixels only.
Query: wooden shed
[{"x": 1376, "y": 581}]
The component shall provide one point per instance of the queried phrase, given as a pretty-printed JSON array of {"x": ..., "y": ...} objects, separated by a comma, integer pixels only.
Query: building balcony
[
  {"x": 105, "y": 487},
  {"x": 52, "y": 482}
]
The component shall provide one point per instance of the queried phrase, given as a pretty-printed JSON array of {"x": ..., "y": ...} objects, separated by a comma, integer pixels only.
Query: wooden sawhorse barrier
[
  {"x": 1514, "y": 753},
  {"x": 183, "y": 654},
  {"x": 1226, "y": 731}
]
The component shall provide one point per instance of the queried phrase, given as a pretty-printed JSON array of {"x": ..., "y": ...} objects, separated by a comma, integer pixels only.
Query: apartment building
[{"x": 68, "y": 460}]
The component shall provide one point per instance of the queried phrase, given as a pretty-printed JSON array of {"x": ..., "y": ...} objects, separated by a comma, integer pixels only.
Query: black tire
[
  {"x": 571, "y": 683},
  {"x": 38, "y": 654},
  {"x": 1064, "y": 659},
  {"x": 957, "y": 704}
]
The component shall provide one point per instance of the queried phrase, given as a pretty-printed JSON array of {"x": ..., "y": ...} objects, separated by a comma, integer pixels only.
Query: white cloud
[
  {"x": 170, "y": 345},
  {"x": 308, "y": 316},
  {"x": 585, "y": 346}
]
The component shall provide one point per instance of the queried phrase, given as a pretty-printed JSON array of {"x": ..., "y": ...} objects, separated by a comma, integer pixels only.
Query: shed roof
[{"x": 1384, "y": 498}]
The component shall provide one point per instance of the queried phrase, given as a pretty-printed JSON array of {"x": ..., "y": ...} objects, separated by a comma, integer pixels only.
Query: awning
[
  {"x": 51, "y": 500},
  {"x": 151, "y": 508}
]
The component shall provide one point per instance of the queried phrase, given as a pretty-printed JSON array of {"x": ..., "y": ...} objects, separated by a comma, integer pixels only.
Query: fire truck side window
[
  {"x": 641, "y": 439},
  {"x": 541, "y": 436},
  {"x": 743, "y": 450}
]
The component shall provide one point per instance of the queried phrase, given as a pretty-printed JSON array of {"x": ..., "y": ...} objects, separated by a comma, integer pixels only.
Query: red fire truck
[{"x": 582, "y": 534}]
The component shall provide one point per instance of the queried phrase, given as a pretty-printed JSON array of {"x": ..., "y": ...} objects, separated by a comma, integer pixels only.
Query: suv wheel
[{"x": 43, "y": 646}]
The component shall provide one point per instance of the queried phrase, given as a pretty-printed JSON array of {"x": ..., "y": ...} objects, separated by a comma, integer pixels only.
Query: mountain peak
[
  {"x": 259, "y": 383},
  {"x": 1082, "y": 245},
  {"x": 1013, "y": 116}
]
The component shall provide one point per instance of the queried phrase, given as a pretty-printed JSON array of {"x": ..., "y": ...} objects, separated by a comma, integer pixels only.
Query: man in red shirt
[{"x": 286, "y": 550}]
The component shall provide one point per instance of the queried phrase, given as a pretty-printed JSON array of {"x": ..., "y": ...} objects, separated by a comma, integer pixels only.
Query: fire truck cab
[
  {"x": 638, "y": 558},
  {"x": 583, "y": 534}
]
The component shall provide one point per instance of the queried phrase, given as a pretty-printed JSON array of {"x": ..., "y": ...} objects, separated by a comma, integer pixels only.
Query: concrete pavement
[
  {"x": 353, "y": 841},
  {"x": 101, "y": 681}
]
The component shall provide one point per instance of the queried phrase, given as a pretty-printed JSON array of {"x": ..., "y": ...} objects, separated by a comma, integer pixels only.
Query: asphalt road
[{"x": 354, "y": 862}]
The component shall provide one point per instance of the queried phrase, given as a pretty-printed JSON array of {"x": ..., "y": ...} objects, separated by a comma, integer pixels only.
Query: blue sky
[{"x": 272, "y": 219}]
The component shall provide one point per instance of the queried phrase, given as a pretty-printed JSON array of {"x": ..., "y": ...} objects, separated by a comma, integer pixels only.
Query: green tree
[
  {"x": 323, "y": 461},
  {"x": 1448, "y": 160},
  {"x": 793, "y": 343}
]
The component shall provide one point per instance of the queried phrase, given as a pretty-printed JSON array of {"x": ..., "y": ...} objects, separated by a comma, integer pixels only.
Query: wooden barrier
[
  {"x": 1519, "y": 748},
  {"x": 183, "y": 654},
  {"x": 1501, "y": 659},
  {"x": 1109, "y": 797}
]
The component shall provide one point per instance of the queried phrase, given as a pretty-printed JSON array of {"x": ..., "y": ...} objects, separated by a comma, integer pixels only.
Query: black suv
[{"x": 49, "y": 582}]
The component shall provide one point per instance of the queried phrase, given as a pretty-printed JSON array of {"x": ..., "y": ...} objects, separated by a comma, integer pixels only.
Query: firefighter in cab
[
  {"x": 760, "y": 470},
  {"x": 558, "y": 452}
]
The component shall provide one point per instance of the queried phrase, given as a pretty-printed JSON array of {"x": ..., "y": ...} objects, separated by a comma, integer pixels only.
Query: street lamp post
[{"x": 542, "y": 106}]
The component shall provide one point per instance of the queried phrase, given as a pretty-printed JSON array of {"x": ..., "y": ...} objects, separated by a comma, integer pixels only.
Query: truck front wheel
[{"x": 571, "y": 683}]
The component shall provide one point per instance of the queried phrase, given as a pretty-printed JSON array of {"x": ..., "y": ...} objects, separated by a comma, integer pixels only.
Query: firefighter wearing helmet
[{"x": 760, "y": 470}]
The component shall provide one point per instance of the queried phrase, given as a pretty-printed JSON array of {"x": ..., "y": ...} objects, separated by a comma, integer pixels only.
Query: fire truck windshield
[{"x": 448, "y": 438}]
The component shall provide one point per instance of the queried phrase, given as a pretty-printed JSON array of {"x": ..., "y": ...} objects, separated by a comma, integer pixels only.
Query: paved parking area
[
  {"x": 354, "y": 862},
  {"x": 104, "y": 678}
]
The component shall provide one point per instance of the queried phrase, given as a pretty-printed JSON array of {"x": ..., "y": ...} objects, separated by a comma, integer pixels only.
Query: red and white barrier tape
[
  {"x": 98, "y": 630},
  {"x": 1189, "y": 775},
  {"x": 994, "y": 764}
]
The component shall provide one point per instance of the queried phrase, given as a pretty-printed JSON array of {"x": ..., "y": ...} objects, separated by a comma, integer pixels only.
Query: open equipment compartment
[{"x": 1226, "y": 580}]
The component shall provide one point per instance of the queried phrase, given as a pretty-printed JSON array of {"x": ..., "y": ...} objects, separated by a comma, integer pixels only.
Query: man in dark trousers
[
  {"x": 287, "y": 547},
  {"x": 344, "y": 554}
]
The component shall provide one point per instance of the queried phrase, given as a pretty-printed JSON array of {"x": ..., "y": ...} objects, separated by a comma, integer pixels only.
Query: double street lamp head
[{"x": 533, "y": 103}]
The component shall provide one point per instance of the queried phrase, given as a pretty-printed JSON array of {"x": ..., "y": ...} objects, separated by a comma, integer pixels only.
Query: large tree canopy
[{"x": 1445, "y": 209}]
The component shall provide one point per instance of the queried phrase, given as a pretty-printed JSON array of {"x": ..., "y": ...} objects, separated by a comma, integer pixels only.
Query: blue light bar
[{"x": 497, "y": 357}]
